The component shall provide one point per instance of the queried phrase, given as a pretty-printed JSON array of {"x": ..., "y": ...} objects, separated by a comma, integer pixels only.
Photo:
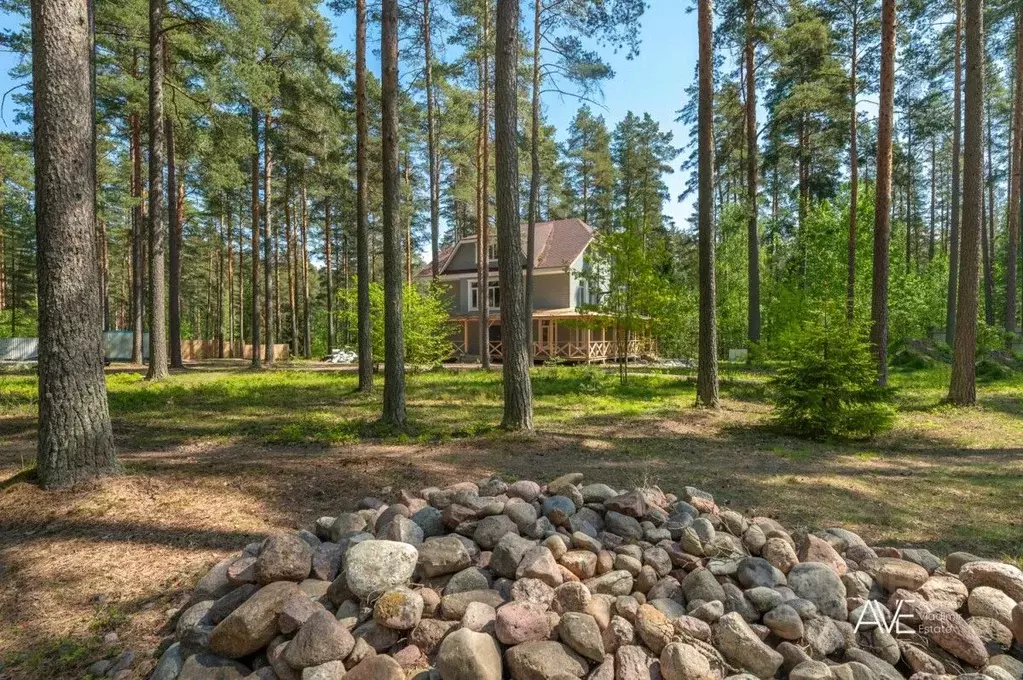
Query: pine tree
[
  {"x": 963, "y": 388},
  {"x": 707, "y": 366},
  {"x": 75, "y": 440},
  {"x": 515, "y": 335}
]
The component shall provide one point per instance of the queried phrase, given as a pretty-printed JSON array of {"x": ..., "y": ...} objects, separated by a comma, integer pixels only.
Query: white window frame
[
  {"x": 493, "y": 297},
  {"x": 492, "y": 251}
]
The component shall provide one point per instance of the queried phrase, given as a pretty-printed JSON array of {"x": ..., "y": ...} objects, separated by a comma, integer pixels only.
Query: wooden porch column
[
  {"x": 554, "y": 338},
  {"x": 465, "y": 337},
  {"x": 587, "y": 344}
]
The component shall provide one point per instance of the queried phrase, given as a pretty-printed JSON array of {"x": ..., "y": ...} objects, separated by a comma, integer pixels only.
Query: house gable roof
[{"x": 558, "y": 244}]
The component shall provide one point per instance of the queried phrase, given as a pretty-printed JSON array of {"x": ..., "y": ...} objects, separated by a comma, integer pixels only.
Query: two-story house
[{"x": 561, "y": 328}]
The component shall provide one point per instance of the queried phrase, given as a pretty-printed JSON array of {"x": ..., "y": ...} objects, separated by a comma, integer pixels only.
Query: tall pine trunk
[
  {"x": 75, "y": 440},
  {"x": 431, "y": 141},
  {"x": 329, "y": 264},
  {"x": 268, "y": 287},
  {"x": 963, "y": 388},
  {"x": 752, "y": 231},
  {"x": 230, "y": 278},
  {"x": 361, "y": 181},
  {"x": 854, "y": 172},
  {"x": 292, "y": 257},
  {"x": 394, "y": 341},
  {"x": 138, "y": 231},
  {"x": 1013, "y": 227},
  {"x": 986, "y": 243},
  {"x": 483, "y": 233},
  {"x": 254, "y": 208},
  {"x": 174, "y": 250},
  {"x": 534, "y": 176},
  {"x": 518, "y": 390},
  {"x": 707, "y": 369},
  {"x": 883, "y": 193},
  {"x": 307, "y": 332},
  {"x": 957, "y": 124},
  {"x": 157, "y": 227}
]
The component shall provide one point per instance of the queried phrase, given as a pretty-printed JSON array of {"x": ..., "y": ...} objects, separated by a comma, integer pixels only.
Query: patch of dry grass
[{"x": 211, "y": 464}]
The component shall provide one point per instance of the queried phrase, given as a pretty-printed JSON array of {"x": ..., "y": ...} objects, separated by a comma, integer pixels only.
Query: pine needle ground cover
[{"x": 217, "y": 457}]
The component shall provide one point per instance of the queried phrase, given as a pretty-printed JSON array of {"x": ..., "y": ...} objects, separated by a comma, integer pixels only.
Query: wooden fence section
[{"x": 198, "y": 350}]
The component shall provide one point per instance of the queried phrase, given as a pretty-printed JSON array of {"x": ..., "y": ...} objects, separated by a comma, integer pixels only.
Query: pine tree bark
[
  {"x": 986, "y": 244},
  {"x": 483, "y": 233},
  {"x": 138, "y": 231},
  {"x": 394, "y": 341},
  {"x": 534, "y": 176},
  {"x": 963, "y": 388},
  {"x": 230, "y": 278},
  {"x": 307, "y": 343},
  {"x": 174, "y": 250},
  {"x": 1013, "y": 227},
  {"x": 883, "y": 193},
  {"x": 934, "y": 194},
  {"x": 268, "y": 287},
  {"x": 957, "y": 125},
  {"x": 361, "y": 181},
  {"x": 254, "y": 269},
  {"x": 75, "y": 440},
  {"x": 157, "y": 227},
  {"x": 431, "y": 141},
  {"x": 707, "y": 367},
  {"x": 518, "y": 390},
  {"x": 329, "y": 264},
  {"x": 292, "y": 257},
  {"x": 854, "y": 170},
  {"x": 220, "y": 288},
  {"x": 752, "y": 230}
]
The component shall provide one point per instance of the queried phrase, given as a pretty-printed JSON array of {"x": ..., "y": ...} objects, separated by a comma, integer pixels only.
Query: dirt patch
[{"x": 117, "y": 554}]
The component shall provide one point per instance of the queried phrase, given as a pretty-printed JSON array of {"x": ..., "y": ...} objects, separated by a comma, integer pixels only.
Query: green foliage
[
  {"x": 427, "y": 326},
  {"x": 830, "y": 386}
]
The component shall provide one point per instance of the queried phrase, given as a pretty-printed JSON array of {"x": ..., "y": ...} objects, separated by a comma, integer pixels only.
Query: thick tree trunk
[
  {"x": 431, "y": 142},
  {"x": 394, "y": 341},
  {"x": 138, "y": 231},
  {"x": 957, "y": 124},
  {"x": 329, "y": 264},
  {"x": 883, "y": 193},
  {"x": 268, "y": 287},
  {"x": 518, "y": 390},
  {"x": 534, "y": 177},
  {"x": 254, "y": 208},
  {"x": 75, "y": 440},
  {"x": 361, "y": 180},
  {"x": 174, "y": 250},
  {"x": 157, "y": 227},
  {"x": 707, "y": 368},
  {"x": 963, "y": 388},
  {"x": 752, "y": 230},
  {"x": 1013, "y": 227}
]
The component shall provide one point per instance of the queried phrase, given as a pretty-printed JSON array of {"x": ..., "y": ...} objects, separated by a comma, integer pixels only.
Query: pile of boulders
[{"x": 570, "y": 580}]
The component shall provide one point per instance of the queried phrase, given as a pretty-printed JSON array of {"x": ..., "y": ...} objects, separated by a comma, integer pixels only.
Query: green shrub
[
  {"x": 427, "y": 325},
  {"x": 990, "y": 370},
  {"x": 830, "y": 386}
]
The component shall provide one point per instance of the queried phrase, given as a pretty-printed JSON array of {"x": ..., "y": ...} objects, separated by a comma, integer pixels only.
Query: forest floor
[{"x": 219, "y": 456}]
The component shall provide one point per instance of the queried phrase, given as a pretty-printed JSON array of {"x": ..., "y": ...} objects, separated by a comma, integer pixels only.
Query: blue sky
[{"x": 653, "y": 82}]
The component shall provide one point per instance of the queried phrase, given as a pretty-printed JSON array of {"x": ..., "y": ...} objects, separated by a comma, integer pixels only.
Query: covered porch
[{"x": 559, "y": 335}]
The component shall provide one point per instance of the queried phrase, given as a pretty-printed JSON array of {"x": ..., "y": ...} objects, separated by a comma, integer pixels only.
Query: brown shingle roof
[{"x": 558, "y": 244}]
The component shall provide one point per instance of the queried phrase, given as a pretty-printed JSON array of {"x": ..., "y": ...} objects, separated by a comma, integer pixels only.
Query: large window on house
[
  {"x": 492, "y": 252},
  {"x": 493, "y": 295}
]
